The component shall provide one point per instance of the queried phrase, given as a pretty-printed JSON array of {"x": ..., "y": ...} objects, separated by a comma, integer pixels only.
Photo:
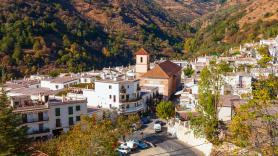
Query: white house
[
  {"x": 87, "y": 78},
  {"x": 240, "y": 82},
  {"x": 245, "y": 61},
  {"x": 263, "y": 72},
  {"x": 35, "y": 115},
  {"x": 227, "y": 105},
  {"x": 65, "y": 112},
  {"x": 48, "y": 115},
  {"x": 60, "y": 82},
  {"x": 120, "y": 94}
]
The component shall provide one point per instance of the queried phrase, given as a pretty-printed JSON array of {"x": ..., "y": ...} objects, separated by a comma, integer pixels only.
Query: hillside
[
  {"x": 187, "y": 10},
  {"x": 78, "y": 35},
  {"x": 160, "y": 25},
  {"x": 237, "y": 22}
]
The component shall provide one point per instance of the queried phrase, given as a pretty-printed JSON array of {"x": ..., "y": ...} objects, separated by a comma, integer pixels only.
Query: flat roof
[
  {"x": 33, "y": 91},
  {"x": 120, "y": 80},
  {"x": 64, "y": 79},
  {"x": 22, "y": 82}
]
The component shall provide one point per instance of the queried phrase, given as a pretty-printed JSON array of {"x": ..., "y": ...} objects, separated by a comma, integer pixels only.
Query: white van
[{"x": 157, "y": 127}]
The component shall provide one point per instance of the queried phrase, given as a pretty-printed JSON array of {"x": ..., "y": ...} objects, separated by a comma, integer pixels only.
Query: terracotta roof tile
[
  {"x": 142, "y": 51},
  {"x": 163, "y": 70}
]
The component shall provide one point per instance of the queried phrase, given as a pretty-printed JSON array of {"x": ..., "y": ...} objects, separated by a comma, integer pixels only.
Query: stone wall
[{"x": 182, "y": 131}]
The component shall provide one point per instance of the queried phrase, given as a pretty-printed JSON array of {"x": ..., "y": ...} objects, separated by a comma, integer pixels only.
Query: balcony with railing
[
  {"x": 129, "y": 110},
  {"x": 46, "y": 130},
  {"x": 131, "y": 100},
  {"x": 122, "y": 90},
  {"x": 35, "y": 120},
  {"x": 40, "y": 132}
]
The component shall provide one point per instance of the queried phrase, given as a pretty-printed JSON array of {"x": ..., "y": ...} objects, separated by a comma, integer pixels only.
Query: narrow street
[{"x": 165, "y": 145}]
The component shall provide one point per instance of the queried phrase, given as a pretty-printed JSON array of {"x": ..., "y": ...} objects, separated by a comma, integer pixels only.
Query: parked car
[
  {"x": 141, "y": 144},
  {"x": 160, "y": 122},
  {"x": 123, "y": 149},
  {"x": 145, "y": 120},
  {"x": 157, "y": 127},
  {"x": 131, "y": 144}
]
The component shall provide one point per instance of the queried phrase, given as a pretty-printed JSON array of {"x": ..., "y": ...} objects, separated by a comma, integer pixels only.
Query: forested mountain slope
[
  {"x": 237, "y": 22},
  {"x": 78, "y": 35}
]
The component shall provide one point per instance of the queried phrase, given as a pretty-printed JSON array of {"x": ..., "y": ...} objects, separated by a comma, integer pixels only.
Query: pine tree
[
  {"x": 12, "y": 137},
  {"x": 17, "y": 54}
]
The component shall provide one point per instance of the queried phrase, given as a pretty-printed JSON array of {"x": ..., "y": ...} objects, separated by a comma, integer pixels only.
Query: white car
[
  {"x": 123, "y": 149},
  {"x": 157, "y": 127}
]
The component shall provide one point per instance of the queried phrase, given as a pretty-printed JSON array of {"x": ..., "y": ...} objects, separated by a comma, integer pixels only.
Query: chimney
[
  {"x": 63, "y": 98},
  {"x": 40, "y": 97},
  {"x": 45, "y": 98}
]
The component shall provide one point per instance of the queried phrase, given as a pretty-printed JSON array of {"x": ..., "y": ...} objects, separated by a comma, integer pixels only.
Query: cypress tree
[{"x": 13, "y": 138}]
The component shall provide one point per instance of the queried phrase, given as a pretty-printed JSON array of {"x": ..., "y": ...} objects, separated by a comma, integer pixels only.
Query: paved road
[{"x": 165, "y": 145}]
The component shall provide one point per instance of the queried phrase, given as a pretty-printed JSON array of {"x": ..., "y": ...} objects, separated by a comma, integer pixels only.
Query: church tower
[{"x": 142, "y": 62}]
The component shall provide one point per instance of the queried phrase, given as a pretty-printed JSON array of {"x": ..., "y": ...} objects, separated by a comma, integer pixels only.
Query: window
[
  {"x": 58, "y": 123},
  {"x": 70, "y": 121},
  {"x": 141, "y": 59},
  {"x": 77, "y": 108},
  {"x": 57, "y": 111},
  {"x": 77, "y": 118},
  {"x": 123, "y": 97},
  {"x": 114, "y": 98},
  {"x": 57, "y": 86},
  {"x": 40, "y": 116},
  {"x": 41, "y": 127},
  {"x": 110, "y": 96},
  {"x": 70, "y": 110},
  {"x": 127, "y": 106},
  {"x": 127, "y": 86},
  {"x": 127, "y": 97},
  {"x": 85, "y": 80},
  {"x": 16, "y": 104},
  {"x": 24, "y": 118},
  {"x": 110, "y": 87}
]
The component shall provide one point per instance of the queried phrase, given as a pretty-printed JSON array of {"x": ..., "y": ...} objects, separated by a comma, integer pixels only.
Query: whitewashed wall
[{"x": 183, "y": 133}]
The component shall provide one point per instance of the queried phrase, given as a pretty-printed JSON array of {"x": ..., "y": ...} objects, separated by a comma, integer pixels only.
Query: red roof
[
  {"x": 142, "y": 51},
  {"x": 163, "y": 70}
]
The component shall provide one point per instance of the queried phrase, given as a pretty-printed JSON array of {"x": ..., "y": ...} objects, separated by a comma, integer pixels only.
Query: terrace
[{"x": 30, "y": 105}]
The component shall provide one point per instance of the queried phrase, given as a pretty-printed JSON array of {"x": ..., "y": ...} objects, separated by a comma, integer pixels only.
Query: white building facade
[{"x": 121, "y": 95}]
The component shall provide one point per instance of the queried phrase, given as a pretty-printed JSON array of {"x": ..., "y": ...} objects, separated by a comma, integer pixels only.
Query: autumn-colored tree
[
  {"x": 255, "y": 124},
  {"x": 266, "y": 58},
  {"x": 90, "y": 137},
  {"x": 189, "y": 46}
]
